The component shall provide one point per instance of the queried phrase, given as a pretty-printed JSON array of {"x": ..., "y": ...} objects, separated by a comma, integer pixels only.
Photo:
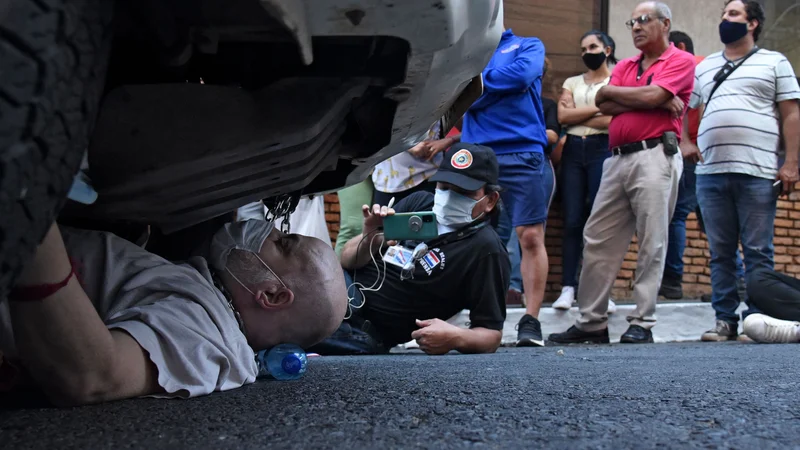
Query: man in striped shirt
[{"x": 744, "y": 122}]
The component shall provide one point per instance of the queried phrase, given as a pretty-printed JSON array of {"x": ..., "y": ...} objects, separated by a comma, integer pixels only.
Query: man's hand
[
  {"x": 373, "y": 218},
  {"x": 691, "y": 152},
  {"x": 436, "y": 337},
  {"x": 675, "y": 106},
  {"x": 426, "y": 150},
  {"x": 788, "y": 175}
]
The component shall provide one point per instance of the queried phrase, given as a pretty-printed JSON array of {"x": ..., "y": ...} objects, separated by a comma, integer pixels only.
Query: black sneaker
[
  {"x": 576, "y": 336},
  {"x": 636, "y": 335},
  {"x": 529, "y": 332},
  {"x": 671, "y": 288}
]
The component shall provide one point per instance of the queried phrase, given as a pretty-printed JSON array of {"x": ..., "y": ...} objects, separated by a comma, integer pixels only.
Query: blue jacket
[{"x": 509, "y": 117}]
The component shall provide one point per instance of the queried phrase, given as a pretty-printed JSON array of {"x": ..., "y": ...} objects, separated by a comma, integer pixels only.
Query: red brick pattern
[
  {"x": 332, "y": 216},
  {"x": 697, "y": 273}
]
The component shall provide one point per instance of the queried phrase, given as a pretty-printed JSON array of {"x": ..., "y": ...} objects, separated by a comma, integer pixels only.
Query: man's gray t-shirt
[
  {"x": 172, "y": 310},
  {"x": 740, "y": 129}
]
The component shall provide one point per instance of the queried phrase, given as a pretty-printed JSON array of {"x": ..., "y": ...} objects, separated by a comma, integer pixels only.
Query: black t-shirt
[
  {"x": 472, "y": 272},
  {"x": 550, "y": 119}
]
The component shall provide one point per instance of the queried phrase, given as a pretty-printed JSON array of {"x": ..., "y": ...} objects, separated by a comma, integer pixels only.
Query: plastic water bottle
[{"x": 282, "y": 362}]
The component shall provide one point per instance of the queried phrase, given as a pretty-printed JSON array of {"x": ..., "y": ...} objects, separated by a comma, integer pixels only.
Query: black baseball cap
[{"x": 468, "y": 166}]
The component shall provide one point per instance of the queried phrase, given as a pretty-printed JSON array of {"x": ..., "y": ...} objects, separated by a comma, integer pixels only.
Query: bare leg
[{"x": 534, "y": 266}]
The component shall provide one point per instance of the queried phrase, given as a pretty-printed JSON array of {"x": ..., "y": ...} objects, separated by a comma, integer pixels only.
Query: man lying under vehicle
[
  {"x": 465, "y": 267},
  {"x": 96, "y": 318}
]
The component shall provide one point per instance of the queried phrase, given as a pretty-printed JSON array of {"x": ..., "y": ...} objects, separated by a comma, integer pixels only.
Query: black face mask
[
  {"x": 730, "y": 32},
  {"x": 594, "y": 60}
]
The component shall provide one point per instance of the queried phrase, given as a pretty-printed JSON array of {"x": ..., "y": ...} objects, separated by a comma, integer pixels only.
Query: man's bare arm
[
  {"x": 478, "y": 340},
  {"x": 65, "y": 345},
  {"x": 359, "y": 251},
  {"x": 356, "y": 253},
  {"x": 790, "y": 125},
  {"x": 611, "y": 108},
  {"x": 644, "y": 97},
  {"x": 437, "y": 337}
]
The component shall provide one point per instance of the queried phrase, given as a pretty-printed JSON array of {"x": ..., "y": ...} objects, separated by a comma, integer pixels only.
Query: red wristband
[{"x": 39, "y": 292}]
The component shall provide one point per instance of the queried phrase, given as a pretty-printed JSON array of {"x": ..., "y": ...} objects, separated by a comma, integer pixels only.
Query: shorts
[{"x": 525, "y": 196}]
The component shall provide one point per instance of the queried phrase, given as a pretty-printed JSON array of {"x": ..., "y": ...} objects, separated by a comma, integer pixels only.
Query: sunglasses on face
[{"x": 641, "y": 20}]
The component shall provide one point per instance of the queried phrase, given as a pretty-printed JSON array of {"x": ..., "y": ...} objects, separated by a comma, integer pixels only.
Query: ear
[
  {"x": 281, "y": 298},
  {"x": 752, "y": 25},
  {"x": 491, "y": 202}
]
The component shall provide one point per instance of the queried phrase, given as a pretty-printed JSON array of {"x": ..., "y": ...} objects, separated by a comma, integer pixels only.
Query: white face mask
[
  {"x": 249, "y": 236},
  {"x": 453, "y": 209}
]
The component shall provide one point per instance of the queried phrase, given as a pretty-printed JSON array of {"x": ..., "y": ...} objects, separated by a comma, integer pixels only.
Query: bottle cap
[{"x": 292, "y": 364}]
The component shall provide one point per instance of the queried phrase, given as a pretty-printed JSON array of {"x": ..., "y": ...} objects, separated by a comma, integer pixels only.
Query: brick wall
[
  {"x": 697, "y": 274},
  {"x": 332, "y": 216}
]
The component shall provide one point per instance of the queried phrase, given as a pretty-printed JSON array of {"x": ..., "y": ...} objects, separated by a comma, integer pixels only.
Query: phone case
[{"x": 417, "y": 226}]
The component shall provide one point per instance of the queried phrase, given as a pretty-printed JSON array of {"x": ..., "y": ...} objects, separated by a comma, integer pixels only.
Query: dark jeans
[
  {"x": 687, "y": 202},
  {"x": 775, "y": 294},
  {"x": 382, "y": 198},
  {"x": 581, "y": 171},
  {"x": 355, "y": 335},
  {"x": 736, "y": 207}
]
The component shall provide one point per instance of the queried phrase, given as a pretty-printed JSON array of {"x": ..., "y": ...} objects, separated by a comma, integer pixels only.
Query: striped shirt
[{"x": 740, "y": 130}]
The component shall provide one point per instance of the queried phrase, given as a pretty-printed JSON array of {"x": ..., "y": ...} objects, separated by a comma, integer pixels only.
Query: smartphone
[{"x": 414, "y": 226}]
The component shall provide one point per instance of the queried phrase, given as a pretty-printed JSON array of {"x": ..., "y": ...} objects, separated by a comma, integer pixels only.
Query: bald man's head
[{"x": 302, "y": 302}]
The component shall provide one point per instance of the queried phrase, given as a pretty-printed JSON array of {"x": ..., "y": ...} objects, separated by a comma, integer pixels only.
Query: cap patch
[{"x": 462, "y": 159}]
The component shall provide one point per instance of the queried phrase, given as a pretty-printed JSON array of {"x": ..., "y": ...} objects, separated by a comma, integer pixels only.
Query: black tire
[{"x": 53, "y": 58}]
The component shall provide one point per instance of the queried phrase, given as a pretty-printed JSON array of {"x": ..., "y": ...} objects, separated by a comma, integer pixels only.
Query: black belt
[{"x": 627, "y": 149}]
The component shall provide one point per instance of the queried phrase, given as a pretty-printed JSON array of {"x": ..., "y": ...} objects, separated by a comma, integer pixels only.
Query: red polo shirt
[
  {"x": 673, "y": 71},
  {"x": 694, "y": 114}
]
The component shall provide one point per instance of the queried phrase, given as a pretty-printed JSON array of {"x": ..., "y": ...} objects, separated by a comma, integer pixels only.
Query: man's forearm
[
  {"x": 612, "y": 108},
  {"x": 357, "y": 252},
  {"x": 62, "y": 341},
  {"x": 791, "y": 136},
  {"x": 644, "y": 97},
  {"x": 478, "y": 340}
]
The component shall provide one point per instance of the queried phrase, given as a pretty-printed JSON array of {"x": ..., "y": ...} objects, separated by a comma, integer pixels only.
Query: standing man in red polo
[{"x": 647, "y": 96}]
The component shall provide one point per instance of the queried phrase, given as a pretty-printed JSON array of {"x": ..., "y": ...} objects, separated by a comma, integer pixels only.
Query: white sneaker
[
  {"x": 763, "y": 328},
  {"x": 566, "y": 299},
  {"x": 612, "y": 307}
]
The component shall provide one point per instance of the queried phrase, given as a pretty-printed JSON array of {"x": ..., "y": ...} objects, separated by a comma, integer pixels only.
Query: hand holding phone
[{"x": 417, "y": 226}]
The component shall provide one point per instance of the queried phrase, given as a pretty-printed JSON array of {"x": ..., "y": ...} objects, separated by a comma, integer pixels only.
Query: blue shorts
[{"x": 525, "y": 196}]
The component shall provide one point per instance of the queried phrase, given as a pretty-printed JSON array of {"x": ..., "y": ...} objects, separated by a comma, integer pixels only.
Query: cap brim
[{"x": 457, "y": 179}]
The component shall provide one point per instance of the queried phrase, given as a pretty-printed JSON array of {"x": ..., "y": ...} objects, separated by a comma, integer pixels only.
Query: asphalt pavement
[{"x": 732, "y": 395}]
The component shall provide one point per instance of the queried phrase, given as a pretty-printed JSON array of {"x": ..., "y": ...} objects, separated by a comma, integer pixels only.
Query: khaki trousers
[{"x": 637, "y": 194}]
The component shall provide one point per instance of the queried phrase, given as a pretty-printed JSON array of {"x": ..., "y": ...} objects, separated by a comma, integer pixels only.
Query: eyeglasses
[{"x": 641, "y": 20}]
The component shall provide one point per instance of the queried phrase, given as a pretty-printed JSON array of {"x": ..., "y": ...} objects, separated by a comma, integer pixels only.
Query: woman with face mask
[{"x": 584, "y": 152}]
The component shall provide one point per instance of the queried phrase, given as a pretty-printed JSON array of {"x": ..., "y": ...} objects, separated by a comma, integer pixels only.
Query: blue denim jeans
[
  {"x": 580, "y": 175},
  {"x": 736, "y": 207},
  {"x": 687, "y": 202},
  {"x": 507, "y": 234}
]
